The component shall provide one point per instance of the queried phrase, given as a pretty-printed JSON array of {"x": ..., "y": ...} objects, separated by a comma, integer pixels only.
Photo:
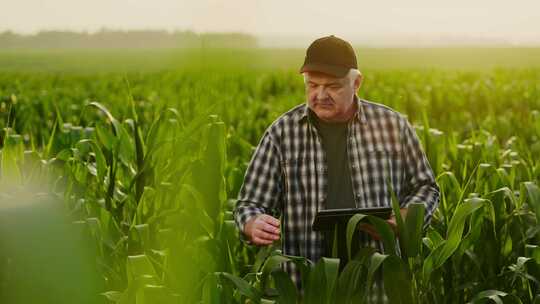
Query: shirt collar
[{"x": 360, "y": 115}]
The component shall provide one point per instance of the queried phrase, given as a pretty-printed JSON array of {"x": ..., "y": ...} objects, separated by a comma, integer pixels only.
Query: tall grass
[{"x": 146, "y": 167}]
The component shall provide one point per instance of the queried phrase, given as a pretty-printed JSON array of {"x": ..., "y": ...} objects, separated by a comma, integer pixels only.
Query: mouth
[
  {"x": 324, "y": 102},
  {"x": 325, "y": 105}
]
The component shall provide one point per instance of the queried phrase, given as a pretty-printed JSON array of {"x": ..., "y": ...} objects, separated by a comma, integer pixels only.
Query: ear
[{"x": 358, "y": 82}]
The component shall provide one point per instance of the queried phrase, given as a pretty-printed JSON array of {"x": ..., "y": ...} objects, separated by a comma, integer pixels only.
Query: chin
[{"x": 325, "y": 114}]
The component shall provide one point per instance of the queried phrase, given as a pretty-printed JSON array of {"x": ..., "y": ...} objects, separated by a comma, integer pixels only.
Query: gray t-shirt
[{"x": 334, "y": 142}]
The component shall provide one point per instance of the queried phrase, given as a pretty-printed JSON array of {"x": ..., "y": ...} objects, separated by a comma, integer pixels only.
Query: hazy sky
[{"x": 510, "y": 20}]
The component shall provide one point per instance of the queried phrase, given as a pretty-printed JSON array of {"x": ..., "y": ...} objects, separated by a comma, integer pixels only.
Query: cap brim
[{"x": 334, "y": 70}]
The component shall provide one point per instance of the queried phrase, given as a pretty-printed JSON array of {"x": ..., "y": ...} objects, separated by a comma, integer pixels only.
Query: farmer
[{"x": 333, "y": 151}]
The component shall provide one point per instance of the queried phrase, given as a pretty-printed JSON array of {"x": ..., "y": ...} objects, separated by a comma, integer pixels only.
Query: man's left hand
[{"x": 391, "y": 221}]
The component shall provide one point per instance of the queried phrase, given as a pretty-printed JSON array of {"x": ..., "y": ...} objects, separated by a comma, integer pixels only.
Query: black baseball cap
[{"x": 330, "y": 55}]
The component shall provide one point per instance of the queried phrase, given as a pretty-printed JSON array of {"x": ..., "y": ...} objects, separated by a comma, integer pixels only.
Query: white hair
[{"x": 351, "y": 75}]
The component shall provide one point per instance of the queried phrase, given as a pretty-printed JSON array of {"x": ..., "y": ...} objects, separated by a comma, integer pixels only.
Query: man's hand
[
  {"x": 262, "y": 229},
  {"x": 391, "y": 221},
  {"x": 370, "y": 230}
]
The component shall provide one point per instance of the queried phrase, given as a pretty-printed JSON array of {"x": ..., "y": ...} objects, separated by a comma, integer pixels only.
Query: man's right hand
[
  {"x": 262, "y": 229},
  {"x": 370, "y": 230}
]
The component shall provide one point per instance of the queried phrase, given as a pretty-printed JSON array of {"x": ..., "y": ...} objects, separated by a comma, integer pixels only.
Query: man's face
[{"x": 331, "y": 98}]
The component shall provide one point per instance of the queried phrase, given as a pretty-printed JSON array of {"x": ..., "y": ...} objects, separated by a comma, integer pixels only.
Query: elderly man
[{"x": 334, "y": 151}]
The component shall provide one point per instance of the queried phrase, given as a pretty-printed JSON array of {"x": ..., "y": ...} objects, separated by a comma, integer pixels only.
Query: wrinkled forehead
[{"x": 322, "y": 78}]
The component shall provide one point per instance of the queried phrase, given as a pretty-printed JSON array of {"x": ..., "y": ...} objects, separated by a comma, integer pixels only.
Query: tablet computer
[{"x": 327, "y": 219}]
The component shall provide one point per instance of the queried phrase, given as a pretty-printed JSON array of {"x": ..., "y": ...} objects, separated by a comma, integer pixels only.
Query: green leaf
[
  {"x": 261, "y": 257},
  {"x": 435, "y": 239},
  {"x": 455, "y": 230},
  {"x": 331, "y": 269},
  {"x": 106, "y": 137},
  {"x": 376, "y": 260},
  {"x": 101, "y": 164},
  {"x": 272, "y": 263},
  {"x": 197, "y": 209},
  {"x": 351, "y": 230},
  {"x": 112, "y": 120},
  {"x": 397, "y": 283},
  {"x": 494, "y": 295},
  {"x": 315, "y": 289},
  {"x": 352, "y": 283},
  {"x": 285, "y": 286},
  {"x": 322, "y": 281},
  {"x": 533, "y": 193},
  {"x": 64, "y": 154},
  {"x": 335, "y": 244},
  {"x": 50, "y": 144},
  {"x": 114, "y": 296},
  {"x": 138, "y": 266},
  {"x": 126, "y": 146},
  {"x": 347, "y": 288},
  {"x": 135, "y": 288},
  {"x": 243, "y": 286},
  {"x": 402, "y": 232},
  {"x": 143, "y": 232},
  {"x": 155, "y": 294},
  {"x": 210, "y": 290},
  {"x": 533, "y": 251},
  {"x": 414, "y": 223},
  {"x": 385, "y": 232}
]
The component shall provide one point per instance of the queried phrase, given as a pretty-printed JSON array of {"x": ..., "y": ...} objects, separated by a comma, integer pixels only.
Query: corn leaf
[
  {"x": 285, "y": 286},
  {"x": 243, "y": 286},
  {"x": 397, "y": 283},
  {"x": 437, "y": 257},
  {"x": 351, "y": 230}
]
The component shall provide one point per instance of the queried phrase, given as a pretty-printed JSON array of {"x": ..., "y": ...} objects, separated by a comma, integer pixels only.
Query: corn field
[{"x": 118, "y": 181}]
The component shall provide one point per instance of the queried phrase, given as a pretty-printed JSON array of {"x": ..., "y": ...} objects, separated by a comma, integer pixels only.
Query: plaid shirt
[{"x": 287, "y": 173}]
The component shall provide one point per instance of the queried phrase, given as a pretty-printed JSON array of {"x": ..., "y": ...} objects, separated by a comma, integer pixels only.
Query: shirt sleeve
[
  {"x": 261, "y": 190},
  {"x": 420, "y": 185}
]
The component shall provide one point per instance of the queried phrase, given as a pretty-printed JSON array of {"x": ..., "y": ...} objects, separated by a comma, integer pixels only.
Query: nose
[{"x": 322, "y": 93}]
